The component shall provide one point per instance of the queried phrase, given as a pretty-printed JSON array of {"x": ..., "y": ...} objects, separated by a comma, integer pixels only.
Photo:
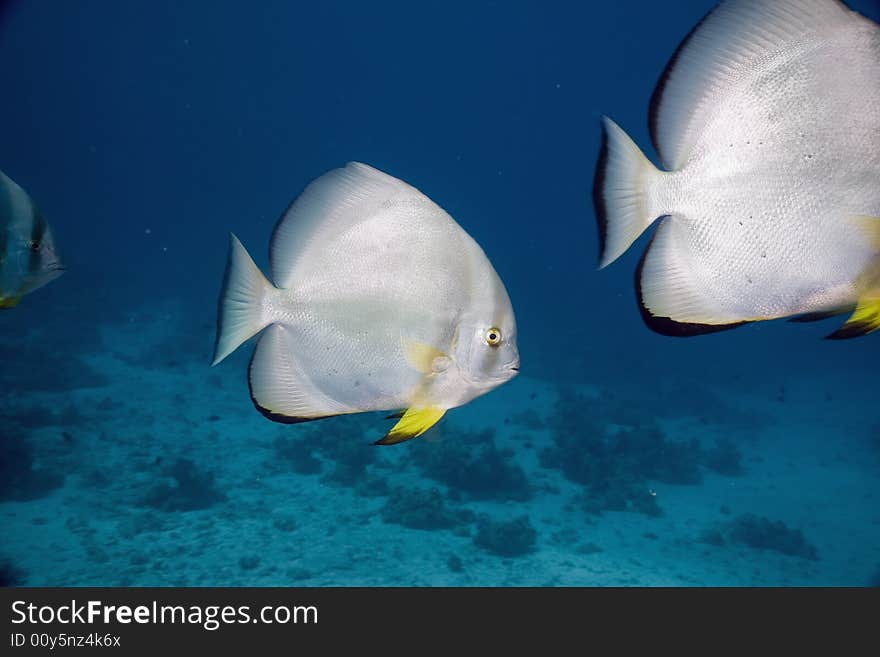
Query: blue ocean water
[{"x": 148, "y": 131}]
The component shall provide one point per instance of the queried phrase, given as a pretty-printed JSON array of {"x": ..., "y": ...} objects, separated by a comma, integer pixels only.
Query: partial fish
[
  {"x": 767, "y": 121},
  {"x": 28, "y": 257},
  {"x": 378, "y": 301}
]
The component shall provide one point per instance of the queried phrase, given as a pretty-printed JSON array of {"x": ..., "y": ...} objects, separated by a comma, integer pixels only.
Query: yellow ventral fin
[
  {"x": 421, "y": 356},
  {"x": 9, "y": 302},
  {"x": 866, "y": 318},
  {"x": 414, "y": 423}
]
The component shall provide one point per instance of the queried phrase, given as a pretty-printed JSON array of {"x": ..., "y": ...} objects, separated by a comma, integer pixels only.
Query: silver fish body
[
  {"x": 379, "y": 301},
  {"x": 768, "y": 121}
]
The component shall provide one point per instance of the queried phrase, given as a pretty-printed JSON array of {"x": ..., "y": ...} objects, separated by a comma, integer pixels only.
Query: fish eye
[
  {"x": 34, "y": 245},
  {"x": 493, "y": 337}
]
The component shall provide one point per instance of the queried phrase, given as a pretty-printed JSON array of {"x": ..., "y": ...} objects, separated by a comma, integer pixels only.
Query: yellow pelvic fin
[
  {"x": 421, "y": 356},
  {"x": 9, "y": 302},
  {"x": 866, "y": 318},
  {"x": 414, "y": 423}
]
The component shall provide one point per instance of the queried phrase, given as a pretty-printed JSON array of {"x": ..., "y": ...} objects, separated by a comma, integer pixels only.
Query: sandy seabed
[{"x": 119, "y": 518}]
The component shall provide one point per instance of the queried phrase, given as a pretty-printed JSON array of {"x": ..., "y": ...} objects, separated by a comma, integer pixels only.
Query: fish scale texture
[
  {"x": 763, "y": 207},
  {"x": 369, "y": 264}
]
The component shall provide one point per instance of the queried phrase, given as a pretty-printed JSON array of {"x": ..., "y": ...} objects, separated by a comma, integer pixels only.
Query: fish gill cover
[{"x": 616, "y": 457}]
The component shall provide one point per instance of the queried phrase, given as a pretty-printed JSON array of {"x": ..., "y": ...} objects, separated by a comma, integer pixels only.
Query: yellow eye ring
[{"x": 493, "y": 337}]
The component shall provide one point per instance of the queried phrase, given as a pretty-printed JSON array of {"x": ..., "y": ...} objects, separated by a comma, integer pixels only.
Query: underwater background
[{"x": 146, "y": 132}]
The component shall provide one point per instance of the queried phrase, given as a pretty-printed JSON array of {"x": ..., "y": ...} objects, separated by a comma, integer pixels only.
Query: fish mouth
[{"x": 514, "y": 369}]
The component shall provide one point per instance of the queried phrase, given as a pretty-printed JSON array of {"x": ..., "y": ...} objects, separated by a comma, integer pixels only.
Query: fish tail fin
[
  {"x": 622, "y": 193},
  {"x": 866, "y": 317},
  {"x": 240, "y": 315}
]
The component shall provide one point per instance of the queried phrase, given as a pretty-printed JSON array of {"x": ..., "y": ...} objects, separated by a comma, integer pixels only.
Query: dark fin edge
[
  {"x": 666, "y": 325},
  {"x": 660, "y": 87},
  {"x": 852, "y": 330},
  {"x": 388, "y": 440},
  {"x": 599, "y": 206},
  {"x": 272, "y": 415},
  {"x": 816, "y": 317}
]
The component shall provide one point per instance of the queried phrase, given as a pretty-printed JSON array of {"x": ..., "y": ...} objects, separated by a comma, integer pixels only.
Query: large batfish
[
  {"x": 378, "y": 301},
  {"x": 767, "y": 121}
]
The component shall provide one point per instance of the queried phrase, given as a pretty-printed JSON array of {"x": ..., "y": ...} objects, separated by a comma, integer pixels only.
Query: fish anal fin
[
  {"x": 285, "y": 419},
  {"x": 9, "y": 302},
  {"x": 413, "y": 423},
  {"x": 280, "y": 387},
  {"x": 675, "y": 329},
  {"x": 673, "y": 299}
]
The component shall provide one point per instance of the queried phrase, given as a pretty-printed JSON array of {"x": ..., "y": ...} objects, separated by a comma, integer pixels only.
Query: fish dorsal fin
[
  {"x": 413, "y": 423},
  {"x": 280, "y": 388},
  {"x": 712, "y": 58},
  {"x": 15, "y": 205},
  {"x": 673, "y": 294},
  {"x": 329, "y": 206}
]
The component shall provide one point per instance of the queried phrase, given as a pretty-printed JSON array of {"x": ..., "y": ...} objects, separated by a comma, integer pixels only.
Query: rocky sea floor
[{"x": 130, "y": 462}]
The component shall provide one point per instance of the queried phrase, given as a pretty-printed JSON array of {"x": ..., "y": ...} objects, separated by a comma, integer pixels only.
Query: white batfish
[
  {"x": 28, "y": 257},
  {"x": 380, "y": 302},
  {"x": 767, "y": 120}
]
